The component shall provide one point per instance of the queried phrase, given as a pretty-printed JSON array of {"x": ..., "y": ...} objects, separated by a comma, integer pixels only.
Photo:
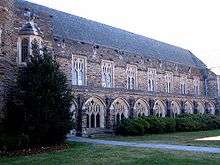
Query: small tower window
[{"x": 24, "y": 50}]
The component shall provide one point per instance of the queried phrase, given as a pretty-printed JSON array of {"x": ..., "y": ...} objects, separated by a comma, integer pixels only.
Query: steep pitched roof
[{"x": 77, "y": 28}]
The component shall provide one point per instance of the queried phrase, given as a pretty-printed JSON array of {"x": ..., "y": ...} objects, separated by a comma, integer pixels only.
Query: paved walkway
[{"x": 146, "y": 145}]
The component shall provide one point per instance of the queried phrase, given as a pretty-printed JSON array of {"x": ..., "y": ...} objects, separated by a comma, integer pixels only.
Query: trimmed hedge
[
  {"x": 155, "y": 125},
  {"x": 132, "y": 127}
]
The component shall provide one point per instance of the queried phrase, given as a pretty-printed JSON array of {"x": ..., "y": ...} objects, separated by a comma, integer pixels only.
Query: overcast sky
[{"x": 191, "y": 24}]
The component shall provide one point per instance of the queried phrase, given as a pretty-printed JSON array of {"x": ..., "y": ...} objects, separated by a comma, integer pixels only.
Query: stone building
[{"x": 113, "y": 73}]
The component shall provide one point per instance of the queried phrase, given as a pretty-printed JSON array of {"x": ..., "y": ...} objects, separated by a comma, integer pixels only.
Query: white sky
[{"x": 191, "y": 24}]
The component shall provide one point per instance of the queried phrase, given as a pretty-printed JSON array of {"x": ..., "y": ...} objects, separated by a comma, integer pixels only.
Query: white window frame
[
  {"x": 79, "y": 64},
  {"x": 19, "y": 46},
  {"x": 183, "y": 84},
  {"x": 196, "y": 84},
  {"x": 107, "y": 67},
  {"x": 169, "y": 82},
  {"x": 131, "y": 74},
  {"x": 151, "y": 82}
]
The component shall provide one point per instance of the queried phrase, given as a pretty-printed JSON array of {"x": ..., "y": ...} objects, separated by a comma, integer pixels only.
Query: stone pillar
[
  {"x": 182, "y": 109},
  {"x": 217, "y": 107},
  {"x": 206, "y": 108},
  {"x": 168, "y": 108},
  {"x": 151, "y": 104},
  {"x": 195, "y": 109},
  {"x": 79, "y": 120},
  {"x": 131, "y": 106},
  {"x": 108, "y": 122}
]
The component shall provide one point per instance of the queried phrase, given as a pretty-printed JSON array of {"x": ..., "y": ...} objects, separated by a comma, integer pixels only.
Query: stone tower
[{"x": 7, "y": 50}]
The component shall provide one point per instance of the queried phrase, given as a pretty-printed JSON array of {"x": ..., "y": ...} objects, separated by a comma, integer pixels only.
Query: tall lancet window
[
  {"x": 196, "y": 83},
  {"x": 168, "y": 82},
  {"x": 78, "y": 70},
  {"x": 24, "y": 50},
  {"x": 183, "y": 86},
  {"x": 131, "y": 77},
  {"x": 151, "y": 79},
  {"x": 107, "y": 74}
]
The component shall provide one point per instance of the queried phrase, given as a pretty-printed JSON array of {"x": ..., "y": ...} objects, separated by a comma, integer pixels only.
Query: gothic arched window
[
  {"x": 94, "y": 110},
  {"x": 107, "y": 74},
  {"x": 168, "y": 80},
  {"x": 151, "y": 79},
  {"x": 24, "y": 50},
  {"x": 183, "y": 81},
  {"x": 131, "y": 76},
  {"x": 196, "y": 83},
  {"x": 78, "y": 71}
]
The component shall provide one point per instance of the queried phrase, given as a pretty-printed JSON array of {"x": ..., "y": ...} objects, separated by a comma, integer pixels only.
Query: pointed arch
[
  {"x": 119, "y": 109},
  {"x": 200, "y": 108},
  {"x": 211, "y": 108},
  {"x": 141, "y": 108},
  {"x": 94, "y": 109},
  {"x": 188, "y": 107},
  {"x": 159, "y": 108},
  {"x": 175, "y": 108}
]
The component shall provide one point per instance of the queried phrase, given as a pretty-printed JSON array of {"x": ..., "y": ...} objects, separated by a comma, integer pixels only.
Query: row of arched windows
[{"x": 107, "y": 77}]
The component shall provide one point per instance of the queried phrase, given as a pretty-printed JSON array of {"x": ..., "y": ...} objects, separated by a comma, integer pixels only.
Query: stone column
[
  {"x": 168, "y": 108},
  {"x": 217, "y": 107},
  {"x": 131, "y": 102},
  {"x": 79, "y": 120},
  {"x": 206, "y": 108},
  {"x": 182, "y": 109},
  {"x": 108, "y": 122},
  {"x": 151, "y": 104}
]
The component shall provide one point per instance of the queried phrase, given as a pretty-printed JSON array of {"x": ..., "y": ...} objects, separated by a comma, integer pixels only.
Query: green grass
[
  {"x": 101, "y": 154},
  {"x": 182, "y": 138}
]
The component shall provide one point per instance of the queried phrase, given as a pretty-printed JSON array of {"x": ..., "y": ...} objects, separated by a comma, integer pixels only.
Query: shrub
[
  {"x": 170, "y": 124},
  {"x": 132, "y": 127},
  {"x": 186, "y": 124},
  {"x": 197, "y": 122},
  {"x": 157, "y": 124},
  {"x": 10, "y": 142}
]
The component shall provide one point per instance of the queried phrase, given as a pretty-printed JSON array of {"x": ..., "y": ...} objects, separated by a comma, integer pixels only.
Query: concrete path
[{"x": 145, "y": 145}]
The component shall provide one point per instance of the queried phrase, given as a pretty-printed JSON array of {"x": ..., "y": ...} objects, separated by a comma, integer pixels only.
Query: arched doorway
[
  {"x": 141, "y": 108},
  {"x": 188, "y": 107},
  {"x": 119, "y": 110},
  {"x": 159, "y": 109},
  {"x": 211, "y": 108},
  {"x": 175, "y": 109},
  {"x": 200, "y": 108},
  {"x": 94, "y": 114}
]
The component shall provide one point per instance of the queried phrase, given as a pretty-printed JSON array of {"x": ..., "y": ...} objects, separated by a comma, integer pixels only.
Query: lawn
[
  {"x": 182, "y": 138},
  {"x": 100, "y": 154}
]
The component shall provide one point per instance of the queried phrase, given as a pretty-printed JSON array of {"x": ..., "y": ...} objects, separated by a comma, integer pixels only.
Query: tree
[{"x": 45, "y": 98}]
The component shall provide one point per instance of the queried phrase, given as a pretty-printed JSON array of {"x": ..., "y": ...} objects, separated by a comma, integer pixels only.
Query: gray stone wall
[
  {"x": 63, "y": 50},
  {"x": 7, "y": 51}
]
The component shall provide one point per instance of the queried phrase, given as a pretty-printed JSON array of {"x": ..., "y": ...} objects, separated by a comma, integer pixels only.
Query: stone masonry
[{"x": 97, "y": 107}]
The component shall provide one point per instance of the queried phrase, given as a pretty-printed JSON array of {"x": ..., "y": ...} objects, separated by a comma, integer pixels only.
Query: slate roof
[{"x": 77, "y": 28}]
